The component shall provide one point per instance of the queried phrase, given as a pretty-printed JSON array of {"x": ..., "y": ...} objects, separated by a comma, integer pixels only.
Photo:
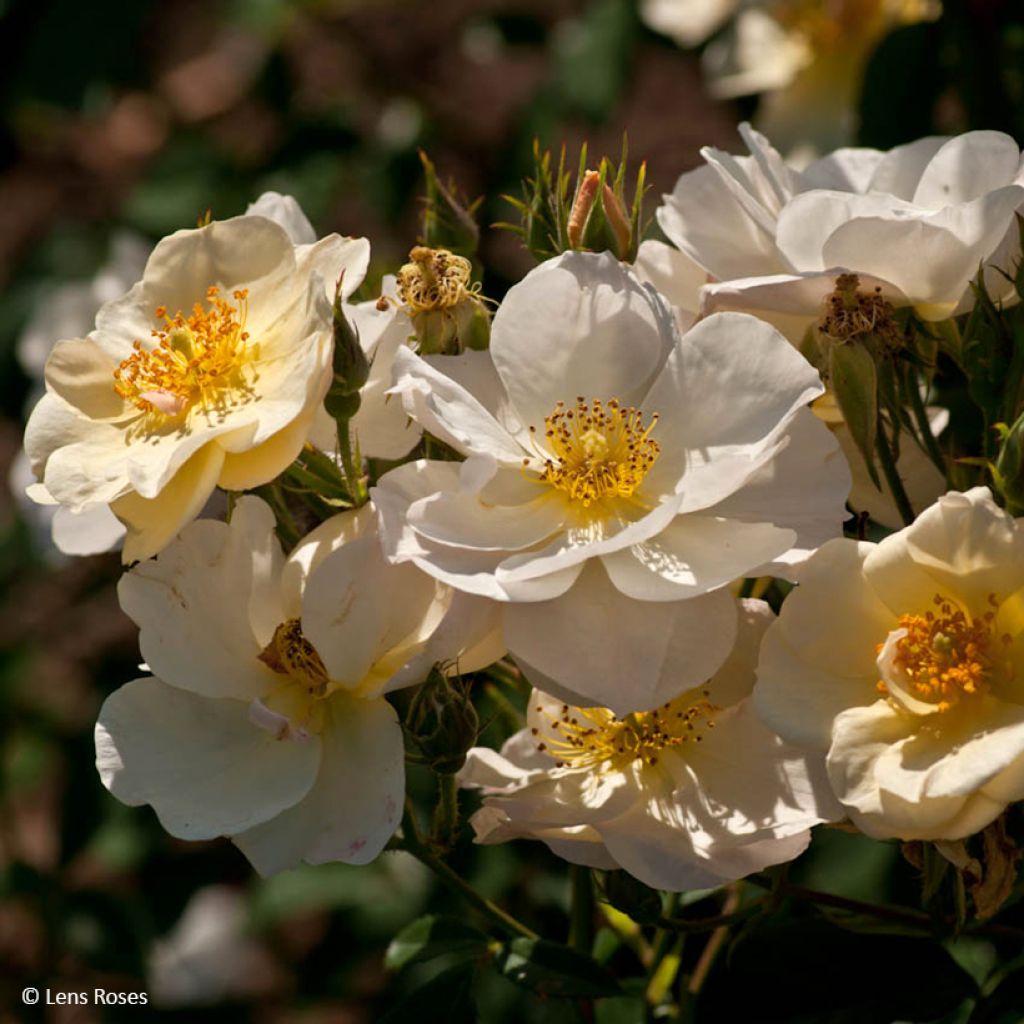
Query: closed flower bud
[{"x": 442, "y": 723}]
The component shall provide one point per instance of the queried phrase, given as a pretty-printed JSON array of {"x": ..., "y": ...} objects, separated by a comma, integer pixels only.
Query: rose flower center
[
  {"x": 196, "y": 359},
  {"x": 945, "y": 654},
  {"x": 589, "y": 737},
  {"x": 296, "y": 706},
  {"x": 601, "y": 450}
]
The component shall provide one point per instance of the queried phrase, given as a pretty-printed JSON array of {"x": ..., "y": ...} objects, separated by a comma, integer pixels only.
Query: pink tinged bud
[
  {"x": 277, "y": 725},
  {"x": 582, "y": 206},
  {"x": 165, "y": 401},
  {"x": 617, "y": 219}
]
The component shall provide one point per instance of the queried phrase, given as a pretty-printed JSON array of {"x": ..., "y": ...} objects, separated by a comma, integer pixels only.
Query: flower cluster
[{"x": 597, "y": 495}]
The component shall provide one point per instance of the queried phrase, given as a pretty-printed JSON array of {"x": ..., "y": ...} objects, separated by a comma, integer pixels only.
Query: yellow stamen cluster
[
  {"x": 195, "y": 360},
  {"x": 603, "y": 450},
  {"x": 434, "y": 279},
  {"x": 946, "y": 653},
  {"x": 590, "y": 737},
  {"x": 290, "y": 653}
]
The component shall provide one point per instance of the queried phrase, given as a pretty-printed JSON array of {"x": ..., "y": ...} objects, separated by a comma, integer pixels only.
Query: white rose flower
[
  {"x": 687, "y": 796},
  {"x": 207, "y": 373},
  {"x": 618, "y": 477},
  {"x": 915, "y": 222},
  {"x": 903, "y": 663},
  {"x": 267, "y": 719}
]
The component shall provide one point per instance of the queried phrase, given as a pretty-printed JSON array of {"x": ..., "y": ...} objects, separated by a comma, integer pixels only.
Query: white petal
[
  {"x": 594, "y": 646},
  {"x": 357, "y": 608},
  {"x": 285, "y": 211},
  {"x": 202, "y": 765},
  {"x": 192, "y": 605},
  {"x": 355, "y": 804},
  {"x": 92, "y": 531},
  {"x": 674, "y": 274},
  {"x": 803, "y": 489},
  {"x": 844, "y": 170},
  {"x": 693, "y": 555},
  {"x": 449, "y": 412},
  {"x": 579, "y": 325},
  {"x": 900, "y": 170},
  {"x": 967, "y": 167}
]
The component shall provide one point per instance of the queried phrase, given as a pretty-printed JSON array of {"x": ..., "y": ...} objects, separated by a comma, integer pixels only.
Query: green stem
[
  {"x": 581, "y": 916},
  {"x": 892, "y": 476},
  {"x": 446, "y": 813},
  {"x": 412, "y": 843},
  {"x": 353, "y": 473}
]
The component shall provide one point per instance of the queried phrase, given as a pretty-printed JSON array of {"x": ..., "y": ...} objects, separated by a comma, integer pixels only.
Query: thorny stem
[
  {"x": 353, "y": 472},
  {"x": 446, "y": 813},
  {"x": 412, "y": 842},
  {"x": 892, "y": 476}
]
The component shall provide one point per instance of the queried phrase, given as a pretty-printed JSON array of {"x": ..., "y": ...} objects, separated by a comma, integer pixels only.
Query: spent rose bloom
[
  {"x": 689, "y": 795},
  {"x": 618, "y": 476},
  {"x": 903, "y": 664},
  {"x": 266, "y": 719},
  {"x": 207, "y": 373}
]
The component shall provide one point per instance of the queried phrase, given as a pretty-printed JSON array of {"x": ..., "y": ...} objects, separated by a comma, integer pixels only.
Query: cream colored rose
[
  {"x": 207, "y": 373},
  {"x": 687, "y": 795},
  {"x": 902, "y": 663},
  {"x": 267, "y": 720}
]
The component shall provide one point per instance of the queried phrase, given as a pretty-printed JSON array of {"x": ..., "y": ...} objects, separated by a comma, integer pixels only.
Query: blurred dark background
[{"x": 138, "y": 115}]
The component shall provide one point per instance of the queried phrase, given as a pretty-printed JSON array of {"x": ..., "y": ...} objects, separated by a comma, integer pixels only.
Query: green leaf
[
  {"x": 550, "y": 969},
  {"x": 854, "y": 380},
  {"x": 433, "y": 936},
  {"x": 447, "y": 998}
]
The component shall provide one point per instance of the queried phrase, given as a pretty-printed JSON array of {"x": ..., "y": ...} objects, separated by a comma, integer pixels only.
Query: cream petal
[
  {"x": 702, "y": 218},
  {"x": 807, "y": 224},
  {"x": 674, "y": 274},
  {"x": 335, "y": 259},
  {"x": 201, "y": 764},
  {"x": 803, "y": 489},
  {"x": 263, "y": 462},
  {"x": 81, "y": 373},
  {"x": 285, "y": 211},
  {"x": 969, "y": 546},
  {"x": 462, "y": 519},
  {"x": 730, "y": 386},
  {"x": 849, "y": 169},
  {"x": 966, "y": 168},
  {"x": 800, "y": 701},
  {"x": 582, "y": 848},
  {"x": 153, "y": 522},
  {"x": 310, "y": 552},
  {"x": 932, "y": 259},
  {"x": 693, "y": 555},
  {"x": 449, "y": 412},
  {"x": 356, "y": 608},
  {"x": 579, "y": 325},
  {"x": 899, "y": 171},
  {"x": 735, "y": 679},
  {"x": 594, "y": 646},
  {"x": 354, "y": 806},
  {"x": 202, "y": 588},
  {"x": 92, "y": 531}
]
